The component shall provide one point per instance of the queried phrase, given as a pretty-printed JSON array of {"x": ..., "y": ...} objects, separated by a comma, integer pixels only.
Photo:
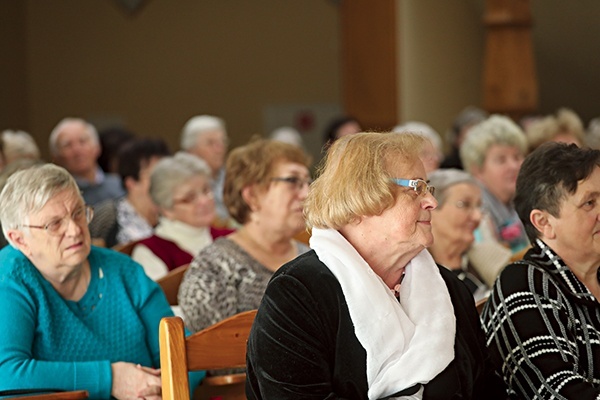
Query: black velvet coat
[{"x": 303, "y": 346}]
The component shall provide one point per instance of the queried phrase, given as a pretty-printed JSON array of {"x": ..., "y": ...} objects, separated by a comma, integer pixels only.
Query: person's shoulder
[
  {"x": 111, "y": 260},
  {"x": 14, "y": 263},
  {"x": 306, "y": 268},
  {"x": 220, "y": 232},
  {"x": 521, "y": 274},
  {"x": 106, "y": 207},
  {"x": 456, "y": 288}
]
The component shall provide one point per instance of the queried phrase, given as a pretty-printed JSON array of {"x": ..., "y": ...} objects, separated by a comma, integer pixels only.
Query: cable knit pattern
[
  {"x": 223, "y": 280},
  {"x": 543, "y": 329},
  {"x": 49, "y": 342}
]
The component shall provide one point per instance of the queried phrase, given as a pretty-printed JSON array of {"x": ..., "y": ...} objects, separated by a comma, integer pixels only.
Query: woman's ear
[
  {"x": 249, "y": 194},
  {"x": 542, "y": 221},
  {"x": 17, "y": 237},
  {"x": 129, "y": 183}
]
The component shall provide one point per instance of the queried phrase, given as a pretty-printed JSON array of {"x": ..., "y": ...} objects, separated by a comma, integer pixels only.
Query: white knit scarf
[{"x": 406, "y": 342}]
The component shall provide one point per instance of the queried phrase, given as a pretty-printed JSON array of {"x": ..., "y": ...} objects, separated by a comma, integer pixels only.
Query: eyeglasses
[
  {"x": 58, "y": 227},
  {"x": 468, "y": 206},
  {"x": 418, "y": 185},
  {"x": 294, "y": 181},
  {"x": 191, "y": 197}
]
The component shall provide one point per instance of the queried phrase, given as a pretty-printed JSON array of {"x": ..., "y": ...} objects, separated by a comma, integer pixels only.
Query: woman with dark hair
[
  {"x": 340, "y": 127},
  {"x": 543, "y": 318},
  {"x": 133, "y": 216}
]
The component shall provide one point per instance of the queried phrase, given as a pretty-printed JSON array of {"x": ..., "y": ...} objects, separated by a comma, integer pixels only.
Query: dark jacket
[{"x": 303, "y": 346}]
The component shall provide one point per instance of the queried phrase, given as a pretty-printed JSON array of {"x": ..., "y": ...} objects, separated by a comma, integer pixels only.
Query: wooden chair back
[
  {"x": 125, "y": 248},
  {"x": 220, "y": 346},
  {"x": 170, "y": 283},
  {"x": 74, "y": 395}
]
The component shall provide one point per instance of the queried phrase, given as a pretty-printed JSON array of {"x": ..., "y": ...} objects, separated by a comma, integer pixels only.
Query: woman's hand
[{"x": 132, "y": 381}]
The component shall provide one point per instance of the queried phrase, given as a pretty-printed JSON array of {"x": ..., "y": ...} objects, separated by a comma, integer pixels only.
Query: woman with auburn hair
[{"x": 266, "y": 183}]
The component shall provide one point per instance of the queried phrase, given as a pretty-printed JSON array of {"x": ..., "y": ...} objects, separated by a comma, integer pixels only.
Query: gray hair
[
  {"x": 547, "y": 128},
  {"x": 53, "y": 139},
  {"x": 27, "y": 191},
  {"x": 423, "y": 129},
  {"x": 442, "y": 179},
  {"x": 170, "y": 172},
  {"x": 496, "y": 130},
  {"x": 592, "y": 137},
  {"x": 196, "y": 126},
  {"x": 17, "y": 145}
]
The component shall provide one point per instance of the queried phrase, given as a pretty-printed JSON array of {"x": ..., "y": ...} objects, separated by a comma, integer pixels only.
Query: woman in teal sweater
[{"x": 73, "y": 317}]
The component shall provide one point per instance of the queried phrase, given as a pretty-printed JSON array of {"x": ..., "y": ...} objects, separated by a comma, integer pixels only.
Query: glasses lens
[
  {"x": 420, "y": 187},
  {"x": 55, "y": 227},
  {"x": 89, "y": 214}
]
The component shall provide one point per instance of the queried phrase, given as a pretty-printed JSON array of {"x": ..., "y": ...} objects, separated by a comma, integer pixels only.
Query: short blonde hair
[
  {"x": 496, "y": 130},
  {"x": 253, "y": 164},
  {"x": 547, "y": 128},
  {"x": 354, "y": 178}
]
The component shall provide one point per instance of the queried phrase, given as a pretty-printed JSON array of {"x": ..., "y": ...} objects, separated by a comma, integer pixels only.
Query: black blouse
[{"x": 303, "y": 346}]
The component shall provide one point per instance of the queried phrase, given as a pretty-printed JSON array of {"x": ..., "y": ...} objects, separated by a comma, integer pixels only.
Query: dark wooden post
[
  {"x": 369, "y": 68},
  {"x": 510, "y": 83}
]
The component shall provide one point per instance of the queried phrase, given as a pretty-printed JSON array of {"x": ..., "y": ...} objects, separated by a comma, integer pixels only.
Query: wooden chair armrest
[{"x": 221, "y": 380}]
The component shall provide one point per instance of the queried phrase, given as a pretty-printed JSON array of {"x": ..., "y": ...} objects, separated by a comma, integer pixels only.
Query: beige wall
[
  {"x": 175, "y": 59},
  {"x": 440, "y": 60},
  {"x": 566, "y": 38}
]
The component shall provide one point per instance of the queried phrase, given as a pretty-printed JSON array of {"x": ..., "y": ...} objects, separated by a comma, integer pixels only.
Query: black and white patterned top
[
  {"x": 543, "y": 329},
  {"x": 223, "y": 280}
]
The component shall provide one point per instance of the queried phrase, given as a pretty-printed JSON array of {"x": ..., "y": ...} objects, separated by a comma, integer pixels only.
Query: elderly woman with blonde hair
[
  {"x": 493, "y": 152},
  {"x": 367, "y": 314}
]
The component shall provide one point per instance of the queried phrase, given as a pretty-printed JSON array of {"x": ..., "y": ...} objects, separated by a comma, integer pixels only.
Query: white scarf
[{"x": 406, "y": 342}]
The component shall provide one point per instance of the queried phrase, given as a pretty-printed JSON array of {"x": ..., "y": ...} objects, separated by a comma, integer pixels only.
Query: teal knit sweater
[{"x": 49, "y": 342}]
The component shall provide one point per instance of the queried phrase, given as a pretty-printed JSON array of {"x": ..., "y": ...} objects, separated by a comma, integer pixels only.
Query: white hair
[
  {"x": 18, "y": 145},
  {"x": 171, "y": 172},
  {"x": 53, "y": 139},
  {"x": 27, "y": 191},
  {"x": 421, "y": 128},
  {"x": 196, "y": 126}
]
